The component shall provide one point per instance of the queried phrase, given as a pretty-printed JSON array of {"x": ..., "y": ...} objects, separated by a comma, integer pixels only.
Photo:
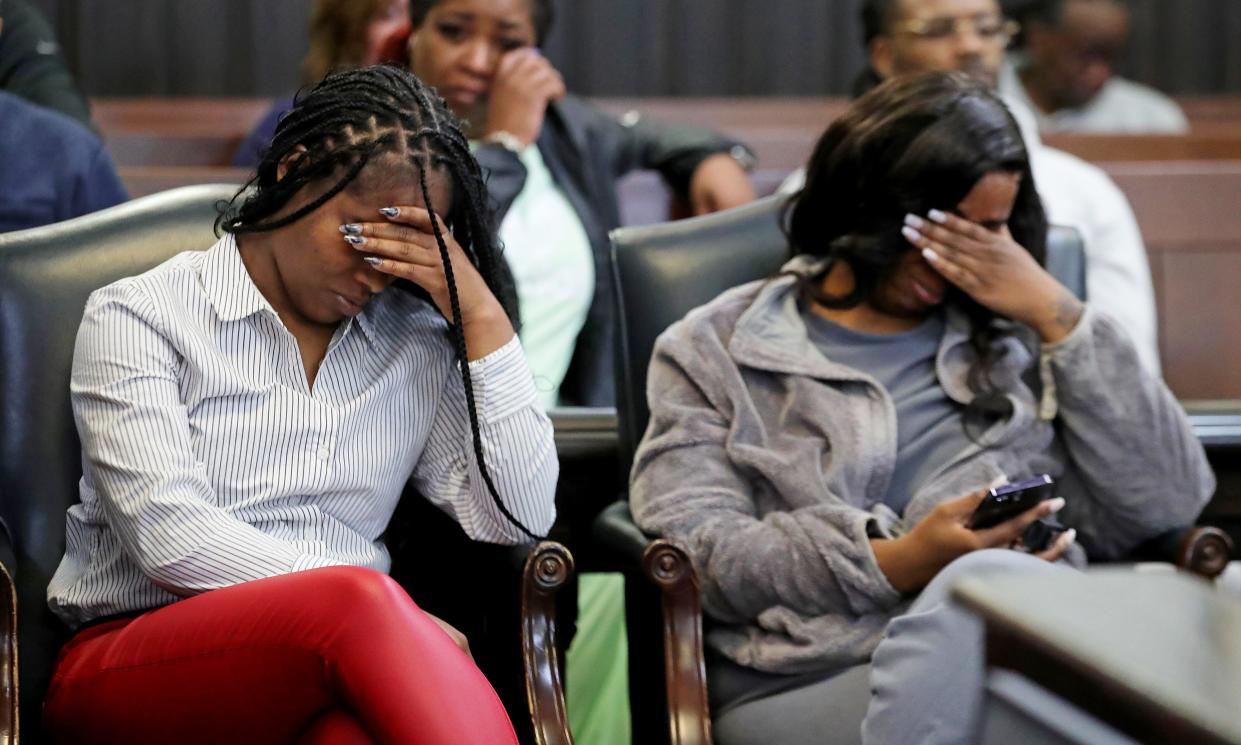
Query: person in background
[
  {"x": 31, "y": 65},
  {"x": 54, "y": 167},
  {"x": 553, "y": 161},
  {"x": 343, "y": 34},
  {"x": 820, "y": 439},
  {"x": 969, "y": 36},
  {"x": 249, "y": 416},
  {"x": 1065, "y": 72}
]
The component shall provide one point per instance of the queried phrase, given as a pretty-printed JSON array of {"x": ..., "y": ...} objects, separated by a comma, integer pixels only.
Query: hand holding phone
[{"x": 1006, "y": 502}]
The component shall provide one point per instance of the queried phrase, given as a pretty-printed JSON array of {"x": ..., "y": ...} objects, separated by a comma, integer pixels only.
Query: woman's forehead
[{"x": 401, "y": 186}]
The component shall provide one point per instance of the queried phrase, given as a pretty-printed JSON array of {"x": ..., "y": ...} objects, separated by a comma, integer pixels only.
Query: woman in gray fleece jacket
[{"x": 818, "y": 440}]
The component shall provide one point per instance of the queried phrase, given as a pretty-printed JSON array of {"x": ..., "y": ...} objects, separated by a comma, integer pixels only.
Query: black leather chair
[
  {"x": 46, "y": 275},
  {"x": 661, "y": 272}
]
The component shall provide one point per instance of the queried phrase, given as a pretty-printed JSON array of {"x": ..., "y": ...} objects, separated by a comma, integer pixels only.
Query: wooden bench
[
  {"x": 1191, "y": 222},
  {"x": 143, "y": 180},
  {"x": 781, "y": 131}
]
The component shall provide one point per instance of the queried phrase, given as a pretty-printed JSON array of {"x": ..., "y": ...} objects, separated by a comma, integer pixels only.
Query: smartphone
[{"x": 1008, "y": 501}]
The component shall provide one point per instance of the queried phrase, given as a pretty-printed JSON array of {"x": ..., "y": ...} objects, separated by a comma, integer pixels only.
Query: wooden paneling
[{"x": 1190, "y": 215}]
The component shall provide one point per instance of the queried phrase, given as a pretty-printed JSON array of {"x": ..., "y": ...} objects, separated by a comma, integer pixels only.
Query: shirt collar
[{"x": 228, "y": 285}]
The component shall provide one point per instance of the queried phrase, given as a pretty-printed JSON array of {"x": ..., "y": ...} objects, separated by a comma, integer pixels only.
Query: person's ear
[
  {"x": 881, "y": 56},
  {"x": 287, "y": 161}
]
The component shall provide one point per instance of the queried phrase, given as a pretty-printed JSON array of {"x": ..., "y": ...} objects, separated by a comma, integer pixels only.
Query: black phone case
[{"x": 1004, "y": 503}]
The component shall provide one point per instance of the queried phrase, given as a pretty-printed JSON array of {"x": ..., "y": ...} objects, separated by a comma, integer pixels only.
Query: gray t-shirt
[{"x": 929, "y": 424}]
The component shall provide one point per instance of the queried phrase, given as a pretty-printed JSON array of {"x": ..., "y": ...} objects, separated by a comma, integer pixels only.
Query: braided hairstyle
[
  {"x": 913, "y": 144},
  {"x": 381, "y": 114}
]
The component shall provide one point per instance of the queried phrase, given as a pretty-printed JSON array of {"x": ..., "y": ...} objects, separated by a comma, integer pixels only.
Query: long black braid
[{"x": 355, "y": 117}]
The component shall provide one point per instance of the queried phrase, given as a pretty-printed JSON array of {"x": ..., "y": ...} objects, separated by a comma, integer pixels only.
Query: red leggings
[{"x": 338, "y": 655}]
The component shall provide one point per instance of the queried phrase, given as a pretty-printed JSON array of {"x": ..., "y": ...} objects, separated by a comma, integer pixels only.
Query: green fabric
[
  {"x": 548, "y": 251},
  {"x": 597, "y": 664}
]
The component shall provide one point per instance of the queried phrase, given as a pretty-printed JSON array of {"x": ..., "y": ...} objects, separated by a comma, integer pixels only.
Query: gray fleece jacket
[{"x": 769, "y": 462}]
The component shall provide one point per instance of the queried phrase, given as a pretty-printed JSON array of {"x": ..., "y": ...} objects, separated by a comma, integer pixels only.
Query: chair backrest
[
  {"x": 46, "y": 275},
  {"x": 661, "y": 272}
]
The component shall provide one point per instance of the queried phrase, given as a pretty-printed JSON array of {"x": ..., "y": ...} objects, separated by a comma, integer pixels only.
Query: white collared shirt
[{"x": 208, "y": 460}]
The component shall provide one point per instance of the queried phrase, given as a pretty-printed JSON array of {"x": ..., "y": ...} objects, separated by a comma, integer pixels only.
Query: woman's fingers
[{"x": 1056, "y": 550}]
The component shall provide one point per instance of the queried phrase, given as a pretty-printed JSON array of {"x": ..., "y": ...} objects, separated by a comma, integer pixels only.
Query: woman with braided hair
[{"x": 248, "y": 417}]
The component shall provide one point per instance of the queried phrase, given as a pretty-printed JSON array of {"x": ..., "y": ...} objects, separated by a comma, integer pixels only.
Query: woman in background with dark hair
[
  {"x": 344, "y": 34},
  {"x": 248, "y": 417},
  {"x": 552, "y": 161},
  {"x": 819, "y": 440}
]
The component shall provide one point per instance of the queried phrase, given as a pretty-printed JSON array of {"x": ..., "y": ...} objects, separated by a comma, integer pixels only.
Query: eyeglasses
[{"x": 987, "y": 27}]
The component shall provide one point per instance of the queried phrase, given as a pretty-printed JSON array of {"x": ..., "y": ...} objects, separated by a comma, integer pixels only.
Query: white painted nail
[
  {"x": 932, "y": 257},
  {"x": 937, "y": 216},
  {"x": 1055, "y": 505},
  {"x": 1070, "y": 536},
  {"x": 914, "y": 221},
  {"x": 910, "y": 234}
]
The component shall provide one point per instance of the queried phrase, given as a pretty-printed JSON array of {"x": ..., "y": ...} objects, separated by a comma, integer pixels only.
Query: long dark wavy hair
[
  {"x": 382, "y": 115},
  {"x": 912, "y": 144}
]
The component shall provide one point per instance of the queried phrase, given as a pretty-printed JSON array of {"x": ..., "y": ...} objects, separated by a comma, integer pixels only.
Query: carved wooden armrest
[
  {"x": 1204, "y": 551},
  {"x": 9, "y": 687},
  {"x": 546, "y": 567},
  {"x": 669, "y": 569},
  {"x": 689, "y": 716}
]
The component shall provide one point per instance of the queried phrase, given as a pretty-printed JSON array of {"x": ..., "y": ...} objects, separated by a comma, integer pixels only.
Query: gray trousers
[{"x": 924, "y": 683}]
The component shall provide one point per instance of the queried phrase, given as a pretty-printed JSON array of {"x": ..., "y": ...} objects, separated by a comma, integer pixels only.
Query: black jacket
[
  {"x": 31, "y": 65},
  {"x": 586, "y": 151}
]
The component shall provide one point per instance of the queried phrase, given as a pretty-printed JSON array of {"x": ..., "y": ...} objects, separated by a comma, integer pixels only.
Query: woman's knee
[{"x": 981, "y": 563}]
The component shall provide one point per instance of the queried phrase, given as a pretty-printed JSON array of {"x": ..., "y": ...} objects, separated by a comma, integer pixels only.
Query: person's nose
[
  {"x": 969, "y": 43},
  {"x": 478, "y": 58},
  {"x": 375, "y": 282}
]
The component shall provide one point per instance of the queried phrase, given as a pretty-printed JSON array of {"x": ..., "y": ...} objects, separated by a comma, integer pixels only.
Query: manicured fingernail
[
  {"x": 933, "y": 257},
  {"x": 389, "y": 211},
  {"x": 914, "y": 221},
  {"x": 351, "y": 229},
  {"x": 1055, "y": 505},
  {"x": 355, "y": 240},
  {"x": 911, "y": 235},
  {"x": 372, "y": 260},
  {"x": 937, "y": 216},
  {"x": 998, "y": 481},
  {"x": 1070, "y": 535}
]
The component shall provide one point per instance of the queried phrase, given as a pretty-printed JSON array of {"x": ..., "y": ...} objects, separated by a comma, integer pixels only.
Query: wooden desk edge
[{"x": 1019, "y": 648}]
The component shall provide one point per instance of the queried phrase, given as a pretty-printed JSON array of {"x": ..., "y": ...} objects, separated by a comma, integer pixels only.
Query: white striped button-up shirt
[{"x": 208, "y": 459}]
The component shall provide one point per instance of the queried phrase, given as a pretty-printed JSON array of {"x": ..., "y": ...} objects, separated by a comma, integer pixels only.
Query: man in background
[
  {"x": 906, "y": 37},
  {"x": 31, "y": 65},
  {"x": 54, "y": 168},
  {"x": 1066, "y": 72}
]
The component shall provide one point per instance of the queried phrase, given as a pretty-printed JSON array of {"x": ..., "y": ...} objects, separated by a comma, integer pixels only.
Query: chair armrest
[
  {"x": 1204, "y": 551},
  {"x": 689, "y": 716},
  {"x": 546, "y": 567},
  {"x": 8, "y": 638},
  {"x": 668, "y": 567}
]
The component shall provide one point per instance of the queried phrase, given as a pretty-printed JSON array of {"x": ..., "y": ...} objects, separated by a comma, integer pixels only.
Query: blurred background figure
[
  {"x": 1065, "y": 72},
  {"x": 343, "y": 34},
  {"x": 31, "y": 65},
  {"x": 905, "y": 37},
  {"x": 54, "y": 168},
  {"x": 553, "y": 161}
]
